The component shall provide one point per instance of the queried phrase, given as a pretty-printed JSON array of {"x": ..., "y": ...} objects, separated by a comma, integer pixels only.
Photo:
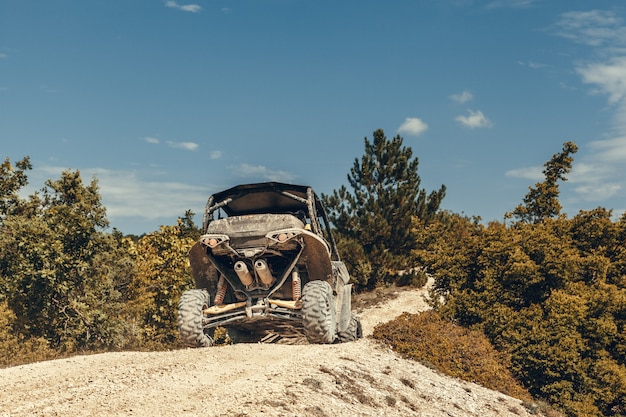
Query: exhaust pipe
[
  {"x": 264, "y": 273},
  {"x": 242, "y": 272}
]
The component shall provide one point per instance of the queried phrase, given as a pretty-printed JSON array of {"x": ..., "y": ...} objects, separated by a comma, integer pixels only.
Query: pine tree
[
  {"x": 379, "y": 212},
  {"x": 542, "y": 201}
]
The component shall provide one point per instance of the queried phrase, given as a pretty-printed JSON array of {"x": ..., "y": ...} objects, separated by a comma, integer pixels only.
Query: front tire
[
  {"x": 190, "y": 326},
  {"x": 318, "y": 312}
]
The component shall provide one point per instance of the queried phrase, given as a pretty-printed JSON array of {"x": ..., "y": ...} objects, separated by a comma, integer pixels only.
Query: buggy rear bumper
[{"x": 263, "y": 309}]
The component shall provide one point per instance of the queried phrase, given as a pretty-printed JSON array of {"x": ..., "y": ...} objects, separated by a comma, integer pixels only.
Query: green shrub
[
  {"x": 15, "y": 349},
  {"x": 162, "y": 276},
  {"x": 415, "y": 277},
  {"x": 552, "y": 295}
]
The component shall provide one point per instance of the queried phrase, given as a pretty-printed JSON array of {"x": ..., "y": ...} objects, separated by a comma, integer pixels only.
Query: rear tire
[
  {"x": 353, "y": 332},
  {"x": 190, "y": 326},
  {"x": 318, "y": 312}
]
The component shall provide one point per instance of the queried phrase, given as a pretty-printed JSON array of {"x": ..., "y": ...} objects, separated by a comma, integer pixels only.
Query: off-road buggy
[{"x": 267, "y": 263}]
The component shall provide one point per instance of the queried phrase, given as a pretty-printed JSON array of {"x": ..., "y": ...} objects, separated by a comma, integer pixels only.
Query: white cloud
[
  {"x": 598, "y": 176},
  {"x": 3, "y": 56},
  {"x": 216, "y": 154},
  {"x": 476, "y": 119},
  {"x": 463, "y": 97},
  {"x": 413, "y": 126},
  {"x": 131, "y": 194},
  {"x": 610, "y": 77},
  {"x": 597, "y": 192},
  {"x": 593, "y": 28},
  {"x": 532, "y": 64},
  {"x": 124, "y": 194},
  {"x": 511, "y": 4},
  {"x": 188, "y": 146},
  {"x": 534, "y": 173},
  {"x": 151, "y": 140},
  {"x": 592, "y": 182},
  {"x": 610, "y": 150},
  {"x": 262, "y": 173},
  {"x": 192, "y": 8},
  {"x": 585, "y": 172}
]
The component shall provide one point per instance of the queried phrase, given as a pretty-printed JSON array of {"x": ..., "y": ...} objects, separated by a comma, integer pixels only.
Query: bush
[
  {"x": 551, "y": 295},
  {"x": 450, "y": 349},
  {"x": 162, "y": 276},
  {"x": 15, "y": 349},
  {"x": 415, "y": 277}
]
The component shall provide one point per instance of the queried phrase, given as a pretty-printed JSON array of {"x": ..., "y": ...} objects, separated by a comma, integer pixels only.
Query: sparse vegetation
[
  {"x": 451, "y": 349},
  {"x": 540, "y": 300},
  {"x": 547, "y": 290}
]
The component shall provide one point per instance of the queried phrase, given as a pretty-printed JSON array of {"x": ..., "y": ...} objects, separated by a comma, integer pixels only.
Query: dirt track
[{"x": 361, "y": 378}]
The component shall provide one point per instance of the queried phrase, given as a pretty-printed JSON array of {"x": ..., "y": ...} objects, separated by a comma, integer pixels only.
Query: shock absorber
[
  {"x": 296, "y": 287},
  {"x": 221, "y": 291}
]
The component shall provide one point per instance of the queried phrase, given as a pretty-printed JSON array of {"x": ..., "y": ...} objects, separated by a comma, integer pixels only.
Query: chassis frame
[{"x": 267, "y": 262}]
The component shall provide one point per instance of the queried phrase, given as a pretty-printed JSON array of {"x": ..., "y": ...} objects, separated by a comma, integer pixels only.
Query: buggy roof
[{"x": 267, "y": 197}]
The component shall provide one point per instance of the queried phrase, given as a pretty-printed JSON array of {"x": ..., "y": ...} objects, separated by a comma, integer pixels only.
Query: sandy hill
[{"x": 362, "y": 378}]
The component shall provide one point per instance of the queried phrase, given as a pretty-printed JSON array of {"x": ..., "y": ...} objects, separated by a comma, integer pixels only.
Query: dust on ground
[{"x": 362, "y": 378}]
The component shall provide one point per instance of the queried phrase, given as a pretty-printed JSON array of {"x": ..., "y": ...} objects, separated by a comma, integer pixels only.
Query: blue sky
[{"x": 165, "y": 102}]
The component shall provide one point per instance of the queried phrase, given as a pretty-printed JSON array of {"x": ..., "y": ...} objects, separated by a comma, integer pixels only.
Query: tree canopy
[
  {"x": 67, "y": 284},
  {"x": 542, "y": 200},
  {"x": 377, "y": 215},
  {"x": 51, "y": 270},
  {"x": 549, "y": 292},
  {"x": 12, "y": 179}
]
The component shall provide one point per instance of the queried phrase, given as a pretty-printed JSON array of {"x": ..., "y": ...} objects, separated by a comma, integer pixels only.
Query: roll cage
[{"x": 275, "y": 198}]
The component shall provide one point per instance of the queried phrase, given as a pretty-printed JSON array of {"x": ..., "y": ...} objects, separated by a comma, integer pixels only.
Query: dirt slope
[{"x": 353, "y": 379}]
